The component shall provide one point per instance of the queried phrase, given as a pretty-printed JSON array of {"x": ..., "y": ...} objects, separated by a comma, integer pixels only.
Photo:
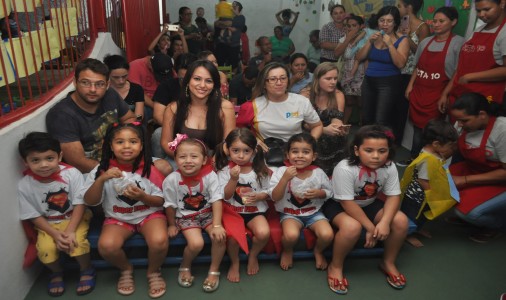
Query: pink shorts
[{"x": 135, "y": 227}]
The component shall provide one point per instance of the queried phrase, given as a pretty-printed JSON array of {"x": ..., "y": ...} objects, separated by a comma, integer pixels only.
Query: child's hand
[
  {"x": 313, "y": 194},
  {"x": 173, "y": 231},
  {"x": 134, "y": 192},
  {"x": 235, "y": 171},
  {"x": 218, "y": 234},
  {"x": 71, "y": 240},
  {"x": 111, "y": 173},
  {"x": 290, "y": 173},
  {"x": 61, "y": 241},
  {"x": 460, "y": 181},
  {"x": 382, "y": 231},
  {"x": 370, "y": 239}
]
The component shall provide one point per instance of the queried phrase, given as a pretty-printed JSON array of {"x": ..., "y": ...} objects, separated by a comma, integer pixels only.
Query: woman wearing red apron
[
  {"x": 482, "y": 62},
  {"x": 437, "y": 58},
  {"x": 481, "y": 177}
]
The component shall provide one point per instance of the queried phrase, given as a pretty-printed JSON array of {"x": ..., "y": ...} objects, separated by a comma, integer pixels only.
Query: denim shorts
[{"x": 306, "y": 221}]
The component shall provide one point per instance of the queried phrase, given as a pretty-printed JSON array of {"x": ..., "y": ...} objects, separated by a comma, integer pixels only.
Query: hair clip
[
  {"x": 179, "y": 138},
  {"x": 389, "y": 134},
  {"x": 115, "y": 124}
]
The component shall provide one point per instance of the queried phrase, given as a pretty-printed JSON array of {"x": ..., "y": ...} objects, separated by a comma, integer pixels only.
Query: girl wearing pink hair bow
[{"x": 193, "y": 202}]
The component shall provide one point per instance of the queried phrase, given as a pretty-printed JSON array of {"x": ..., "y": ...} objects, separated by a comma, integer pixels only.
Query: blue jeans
[
  {"x": 379, "y": 97},
  {"x": 490, "y": 214}
]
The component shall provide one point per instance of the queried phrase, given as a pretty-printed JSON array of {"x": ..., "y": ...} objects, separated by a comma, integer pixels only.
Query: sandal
[
  {"x": 56, "y": 284},
  {"x": 339, "y": 287},
  {"x": 90, "y": 283},
  {"x": 485, "y": 236},
  {"x": 157, "y": 286},
  {"x": 183, "y": 281},
  {"x": 210, "y": 287},
  {"x": 396, "y": 281},
  {"x": 126, "y": 285}
]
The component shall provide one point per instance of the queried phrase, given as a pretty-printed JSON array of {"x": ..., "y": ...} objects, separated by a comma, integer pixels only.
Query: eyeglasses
[
  {"x": 387, "y": 21},
  {"x": 88, "y": 84},
  {"x": 273, "y": 80}
]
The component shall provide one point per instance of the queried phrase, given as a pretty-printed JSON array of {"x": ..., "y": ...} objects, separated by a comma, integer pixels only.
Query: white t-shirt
[
  {"x": 120, "y": 207},
  {"x": 53, "y": 200},
  {"x": 292, "y": 203},
  {"x": 351, "y": 183},
  {"x": 187, "y": 202},
  {"x": 283, "y": 119},
  {"x": 245, "y": 180},
  {"x": 495, "y": 150}
]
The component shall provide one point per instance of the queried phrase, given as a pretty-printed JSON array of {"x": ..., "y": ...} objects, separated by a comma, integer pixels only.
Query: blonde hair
[{"x": 319, "y": 72}]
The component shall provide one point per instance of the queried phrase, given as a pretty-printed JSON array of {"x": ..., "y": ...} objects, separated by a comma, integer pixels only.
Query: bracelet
[
  {"x": 217, "y": 226},
  {"x": 340, "y": 115}
]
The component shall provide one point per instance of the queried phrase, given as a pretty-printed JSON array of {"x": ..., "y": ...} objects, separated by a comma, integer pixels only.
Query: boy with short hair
[{"x": 47, "y": 197}]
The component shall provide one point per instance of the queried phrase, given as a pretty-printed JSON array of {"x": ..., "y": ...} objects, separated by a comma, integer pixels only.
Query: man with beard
[{"x": 80, "y": 120}]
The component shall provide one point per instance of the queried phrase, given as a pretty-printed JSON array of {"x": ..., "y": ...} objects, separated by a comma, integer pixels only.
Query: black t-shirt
[
  {"x": 135, "y": 94},
  {"x": 67, "y": 122},
  {"x": 167, "y": 91},
  {"x": 238, "y": 90}
]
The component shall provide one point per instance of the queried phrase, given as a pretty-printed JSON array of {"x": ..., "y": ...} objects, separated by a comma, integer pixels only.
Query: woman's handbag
[{"x": 276, "y": 154}]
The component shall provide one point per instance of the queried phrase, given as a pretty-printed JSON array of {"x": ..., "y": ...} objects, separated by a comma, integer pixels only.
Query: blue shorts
[{"x": 306, "y": 221}]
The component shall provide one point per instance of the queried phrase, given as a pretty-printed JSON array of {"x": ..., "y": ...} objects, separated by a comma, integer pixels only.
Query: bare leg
[
  {"x": 393, "y": 244},
  {"x": 194, "y": 244},
  {"x": 84, "y": 264},
  {"x": 55, "y": 267},
  {"x": 261, "y": 234},
  {"x": 110, "y": 248},
  {"x": 217, "y": 251},
  {"x": 156, "y": 236},
  {"x": 324, "y": 236},
  {"x": 233, "y": 252},
  {"x": 348, "y": 233},
  {"x": 291, "y": 233}
]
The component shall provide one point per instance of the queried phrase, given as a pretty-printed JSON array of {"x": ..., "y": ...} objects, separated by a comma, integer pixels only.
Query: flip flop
[
  {"x": 336, "y": 283},
  {"x": 56, "y": 284},
  {"x": 398, "y": 282},
  {"x": 87, "y": 282}
]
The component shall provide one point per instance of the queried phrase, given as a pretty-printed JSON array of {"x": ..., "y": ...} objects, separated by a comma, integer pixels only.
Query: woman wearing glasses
[
  {"x": 386, "y": 53},
  {"x": 274, "y": 112}
]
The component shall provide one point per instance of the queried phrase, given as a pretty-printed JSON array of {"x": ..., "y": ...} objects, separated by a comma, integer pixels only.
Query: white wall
[
  {"x": 260, "y": 17},
  {"x": 14, "y": 281}
]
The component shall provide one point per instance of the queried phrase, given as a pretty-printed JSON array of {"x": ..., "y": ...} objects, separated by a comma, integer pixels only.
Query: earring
[{"x": 187, "y": 91}]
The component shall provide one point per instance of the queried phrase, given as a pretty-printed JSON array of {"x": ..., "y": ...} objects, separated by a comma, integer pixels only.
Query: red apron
[
  {"x": 477, "y": 55},
  {"x": 476, "y": 163},
  {"x": 430, "y": 81}
]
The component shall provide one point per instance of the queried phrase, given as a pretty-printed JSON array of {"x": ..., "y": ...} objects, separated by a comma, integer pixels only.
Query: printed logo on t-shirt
[
  {"x": 368, "y": 190},
  {"x": 294, "y": 114},
  {"x": 194, "y": 202},
  {"x": 58, "y": 200}
]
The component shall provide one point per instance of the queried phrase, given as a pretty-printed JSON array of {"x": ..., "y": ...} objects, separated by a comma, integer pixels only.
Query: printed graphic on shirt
[
  {"x": 127, "y": 200},
  {"x": 58, "y": 201},
  {"x": 298, "y": 201},
  {"x": 194, "y": 202},
  {"x": 368, "y": 190}
]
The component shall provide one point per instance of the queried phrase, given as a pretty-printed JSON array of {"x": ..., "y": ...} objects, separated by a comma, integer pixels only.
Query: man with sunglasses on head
[{"x": 80, "y": 121}]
